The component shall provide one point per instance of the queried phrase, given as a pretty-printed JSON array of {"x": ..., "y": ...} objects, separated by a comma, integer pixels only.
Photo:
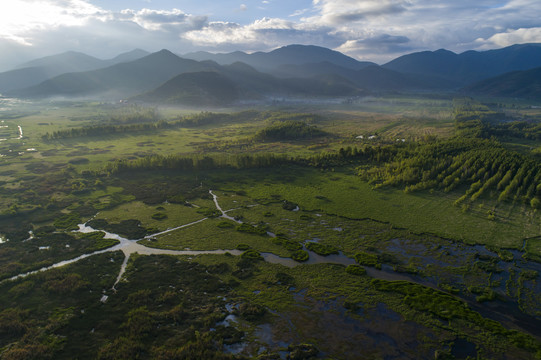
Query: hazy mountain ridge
[
  {"x": 470, "y": 66},
  {"x": 519, "y": 84},
  {"x": 238, "y": 82},
  {"x": 208, "y": 88},
  {"x": 297, "y": 70},
  {"x": 120, "y": 80},
  {"x": 372, "y": 77},
  {"x": 286, "y": 55},
  {"x": 36, "y": 71}
]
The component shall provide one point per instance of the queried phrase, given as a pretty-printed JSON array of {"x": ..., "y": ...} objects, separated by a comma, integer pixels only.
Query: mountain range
[
  {"x": 39, "y": 70},
  {"x": 296, "y": 70},
  {"x": 291, "y": 54},
  {"x": 119, "y": 80},
  {"x": 470, "y": 66}
]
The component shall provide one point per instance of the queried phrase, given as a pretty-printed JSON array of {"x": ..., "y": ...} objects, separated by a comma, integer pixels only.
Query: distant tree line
[
  {"x": 473, "y": 119},
  {"x": 345, "y": 156},
  {"x": 197, "y": 162},
  {"x": 289, "y": 130},
  {"x": 134, "y": 114},
  {"x": 144, "y": 120},
  {"x": 468, "y": 162},
  {"x": 100, "y": 130}
]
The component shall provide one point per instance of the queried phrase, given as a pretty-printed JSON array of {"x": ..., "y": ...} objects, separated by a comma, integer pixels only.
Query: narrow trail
[
  {"x": 174, "y": 229},
  {"x": 224, "y": 215},
  {"x": 129, "y": 247},
  {"x": 504, "y": 314}
]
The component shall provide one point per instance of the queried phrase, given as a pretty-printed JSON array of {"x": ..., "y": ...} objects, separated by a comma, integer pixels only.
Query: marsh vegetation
[{"x": 399, "y": 226}]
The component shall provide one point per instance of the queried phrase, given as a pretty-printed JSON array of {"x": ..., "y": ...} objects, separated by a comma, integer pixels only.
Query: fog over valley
[{"x": 307, "y": 179}]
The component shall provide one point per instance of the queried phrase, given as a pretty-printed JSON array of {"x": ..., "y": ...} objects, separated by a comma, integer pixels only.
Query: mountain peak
[
  {"x": 298, "y": 48},
  {"x": 164, "y": 52},
  {"x": 444, "y": 51}
]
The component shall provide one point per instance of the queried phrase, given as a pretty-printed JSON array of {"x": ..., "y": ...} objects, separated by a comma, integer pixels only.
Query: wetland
[{"x": 284, "y": 232}]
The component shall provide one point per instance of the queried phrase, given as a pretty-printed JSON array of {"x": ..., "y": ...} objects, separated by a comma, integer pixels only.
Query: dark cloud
[
  {"x": 384, "y": 39},
  {"x": 162, "y": 17},
  {"x": 381, "y": 46}
]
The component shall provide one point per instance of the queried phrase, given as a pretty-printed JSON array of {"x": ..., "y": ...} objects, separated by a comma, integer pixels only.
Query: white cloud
[
  {"x": 243, "y": 7},
  {"x": 299, "y": 12},
  {"x": 514, "y": 36},
  {"x": 379, "y": 28},
  {"x": 340, "y": 12},
  {"x": 262, "y": 34},
  {"x": 17, "y": 17},
  {"x": 376, "y": 30}
]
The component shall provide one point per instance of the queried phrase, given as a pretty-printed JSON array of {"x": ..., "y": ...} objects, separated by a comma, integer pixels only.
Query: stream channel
[{"x": 505, "y": 312}]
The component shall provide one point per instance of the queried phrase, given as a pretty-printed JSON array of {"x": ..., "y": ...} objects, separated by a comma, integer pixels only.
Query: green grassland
[
  {"x": 176, "y": 214},
  {"x": 419, "y": 212},
  {"x": 100, "y": 149},
  {"x": 389, "y": 118},
  {"x": 428, "y": 275},
  {"x": 208, "y": 235}
]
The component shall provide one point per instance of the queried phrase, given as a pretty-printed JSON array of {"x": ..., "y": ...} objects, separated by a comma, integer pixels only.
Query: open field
[{"x": 348, "y": 263}]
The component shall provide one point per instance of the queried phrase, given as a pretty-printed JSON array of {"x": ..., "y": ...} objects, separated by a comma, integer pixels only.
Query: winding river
[
  {"x": 129, "y": 247},
  {"x": 503, "y": 312}
]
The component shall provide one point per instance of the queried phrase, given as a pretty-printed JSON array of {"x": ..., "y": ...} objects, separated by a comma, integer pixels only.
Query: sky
[{"x": 373, "y": 30}]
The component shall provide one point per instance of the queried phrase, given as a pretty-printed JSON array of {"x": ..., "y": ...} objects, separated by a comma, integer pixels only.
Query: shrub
[
  {"x": 259, "y": 230},
  {"x": 355, "y": 270},
  {"x": 529, "y": 274},
  {"x": 302, "y": 351},
  {"x": 285, "y": 279},
  {"x": 289, "y": 130},
  {"x": 225, "y": 225},
  {"x": 251, "y": 312},
  {"x": 289, "y": 205},
  {"x": 287, "y": 244},
  {"x": 300, "y": 256},
  {"x": 506, "y": 255},
  {"x": 367, "y": 259},
  {"x": 159, "y": 216},
  {"x": 68, "y": 222},
  {"x": 47, "y": 229},
  {"x": 177, "y": 199},
  {"x": 321, "y": 249},
  {"x": 78, "y": 161},
  {"x": 252, "y": 255}
]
